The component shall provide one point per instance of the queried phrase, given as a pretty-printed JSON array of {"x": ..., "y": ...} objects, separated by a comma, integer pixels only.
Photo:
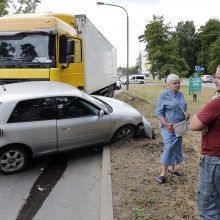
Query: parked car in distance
[
  {"x": 118, "y": 84},
  {"x": 38, "y": 118},
  {"x": 206, "y": 78},
  {"x": 140, "y": 79}
]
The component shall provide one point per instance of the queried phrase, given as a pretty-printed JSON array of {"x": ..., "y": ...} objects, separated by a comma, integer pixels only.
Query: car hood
[{"x": 119, "y": 106}]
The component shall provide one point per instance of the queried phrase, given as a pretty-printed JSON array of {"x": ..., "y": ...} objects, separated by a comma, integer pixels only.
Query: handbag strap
[{"x": 177, "y": 103}]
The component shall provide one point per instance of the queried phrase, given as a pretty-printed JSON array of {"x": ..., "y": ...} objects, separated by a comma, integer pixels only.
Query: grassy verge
[{"x": 135, "y": 164}]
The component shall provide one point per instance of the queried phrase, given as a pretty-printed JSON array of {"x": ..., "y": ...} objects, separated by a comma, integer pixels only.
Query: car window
[
  {"x": 140, "y": 77},
  {"x": 107, "y": 107},
  {"x": 74, "y": 107},
  {"x": 33, "y": 110}
]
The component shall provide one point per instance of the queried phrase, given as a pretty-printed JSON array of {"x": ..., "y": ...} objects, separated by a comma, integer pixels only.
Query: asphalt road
[{"x": 65, "y": 186}]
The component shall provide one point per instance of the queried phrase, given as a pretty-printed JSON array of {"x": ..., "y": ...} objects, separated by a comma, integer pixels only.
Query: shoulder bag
[{"x": 180, "y": 128}]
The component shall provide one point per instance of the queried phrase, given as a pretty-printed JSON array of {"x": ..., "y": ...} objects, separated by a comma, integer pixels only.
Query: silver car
[
  {"x": 39, "y": 118},
  {"x": 206, "y": 78}
]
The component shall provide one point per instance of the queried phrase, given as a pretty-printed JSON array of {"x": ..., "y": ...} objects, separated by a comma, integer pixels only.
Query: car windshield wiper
[{"x": 10, "y": 62}]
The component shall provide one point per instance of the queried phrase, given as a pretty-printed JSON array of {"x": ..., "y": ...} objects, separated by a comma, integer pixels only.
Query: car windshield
[
  {"x": 104, "y": 104},
  {"x": 99, "y": 102},
  {"x": 22, "y": 49}
]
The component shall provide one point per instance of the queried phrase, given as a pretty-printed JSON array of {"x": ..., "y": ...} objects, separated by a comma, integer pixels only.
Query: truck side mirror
[{"x": 70, "y": 45}]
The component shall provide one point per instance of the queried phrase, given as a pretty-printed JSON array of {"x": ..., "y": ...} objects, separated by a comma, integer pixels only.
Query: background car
[
  {"x": 38, "y": 118},
  {"x": 140, "y": 79},
  {"x": 207, "y": 78},
  {"x": 118, "y": 84}
]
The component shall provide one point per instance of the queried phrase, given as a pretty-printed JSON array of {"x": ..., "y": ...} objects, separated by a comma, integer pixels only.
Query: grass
[{"x": 135, "y": 164}]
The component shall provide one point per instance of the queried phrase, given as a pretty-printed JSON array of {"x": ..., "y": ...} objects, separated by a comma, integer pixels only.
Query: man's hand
[{"x": 195, "y": 124}]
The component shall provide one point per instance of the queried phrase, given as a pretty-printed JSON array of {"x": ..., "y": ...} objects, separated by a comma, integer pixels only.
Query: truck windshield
[{"x": 27, "y": 50}]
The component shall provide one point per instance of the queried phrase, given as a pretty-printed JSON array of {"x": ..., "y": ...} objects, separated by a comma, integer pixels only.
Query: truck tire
[{"x": 111, "y": 91}]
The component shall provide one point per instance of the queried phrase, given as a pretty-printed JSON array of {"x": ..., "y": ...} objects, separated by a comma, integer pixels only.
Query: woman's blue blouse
[{"x": 169, "y": 108}]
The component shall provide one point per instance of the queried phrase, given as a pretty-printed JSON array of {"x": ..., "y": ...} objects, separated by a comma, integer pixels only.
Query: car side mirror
[{"x": 101, "y": 113}]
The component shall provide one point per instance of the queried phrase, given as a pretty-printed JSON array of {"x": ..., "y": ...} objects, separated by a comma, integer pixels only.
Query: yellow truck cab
[{"x": 57, "y": 47}]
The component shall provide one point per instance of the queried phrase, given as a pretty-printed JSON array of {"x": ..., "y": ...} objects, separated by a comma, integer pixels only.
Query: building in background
[{"x": 143, "y": 63}]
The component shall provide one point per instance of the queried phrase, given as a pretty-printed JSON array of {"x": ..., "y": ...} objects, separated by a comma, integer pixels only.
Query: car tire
[
  {"x": 141, "y": 82},
  {"x": 13, "y": 159},
  {"x": 127, "y": 131}
]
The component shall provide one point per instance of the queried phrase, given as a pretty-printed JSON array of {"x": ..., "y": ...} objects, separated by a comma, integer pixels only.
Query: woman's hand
[
  {"x": 169, "y": 128},
  {"x": 187, "y": 115},
  {"x": 166, "y": 124}
]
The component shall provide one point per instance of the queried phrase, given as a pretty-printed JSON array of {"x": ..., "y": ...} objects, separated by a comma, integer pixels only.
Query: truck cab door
[{"x": 70, "y": 61}]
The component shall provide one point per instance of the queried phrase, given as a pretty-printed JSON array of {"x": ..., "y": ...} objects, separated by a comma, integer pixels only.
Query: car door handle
[{"x": 66, "y": 129}]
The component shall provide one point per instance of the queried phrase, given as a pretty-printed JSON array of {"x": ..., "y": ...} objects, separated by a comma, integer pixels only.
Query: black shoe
[{"x": 161, "y": 179}]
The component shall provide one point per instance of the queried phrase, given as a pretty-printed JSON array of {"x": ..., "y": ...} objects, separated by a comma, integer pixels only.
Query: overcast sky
[{"x": 111, "y": 21}]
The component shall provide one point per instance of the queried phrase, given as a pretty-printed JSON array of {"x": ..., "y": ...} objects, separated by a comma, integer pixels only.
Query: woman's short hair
[{"x": 172, "y": 77}]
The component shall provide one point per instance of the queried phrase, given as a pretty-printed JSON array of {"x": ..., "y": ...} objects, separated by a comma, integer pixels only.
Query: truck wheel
[
  {"x": 13, "y": 159},
  {"x": 127, "y": 131},
  {"x": 111, "y": 91}
]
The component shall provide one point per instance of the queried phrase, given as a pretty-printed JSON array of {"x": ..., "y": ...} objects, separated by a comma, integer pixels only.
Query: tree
[
  {"x": 26, "y": 6},
  {"x": 7, "y": 50},
  {"x": 208, "y": 34},
  {"x": 131, "y": 70},
  {"x": 162, "y": 49},
  {"x": 3, "y": 7},
  {"x": 186, "y": 42},
  {"x": 214, "y": 56},
  {"x": 19, "y": 6}
]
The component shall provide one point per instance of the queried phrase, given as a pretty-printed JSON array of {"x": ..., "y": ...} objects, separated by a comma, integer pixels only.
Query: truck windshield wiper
[{"x": 7, "y": 58}]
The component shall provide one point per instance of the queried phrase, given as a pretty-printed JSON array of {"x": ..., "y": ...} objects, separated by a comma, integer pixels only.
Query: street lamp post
[
  {"x": 140, "y": 56},
  {"x": 127, "y": 78}
]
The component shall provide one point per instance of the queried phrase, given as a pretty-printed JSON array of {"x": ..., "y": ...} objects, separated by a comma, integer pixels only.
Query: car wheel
[
  {"x": 13, "y": 159},
  {"x": 127, "y": 131},
  {"x": 141, "y": 82}
]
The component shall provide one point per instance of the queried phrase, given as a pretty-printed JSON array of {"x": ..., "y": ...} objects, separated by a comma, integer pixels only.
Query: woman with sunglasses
[{"x": 170, "y": 106}]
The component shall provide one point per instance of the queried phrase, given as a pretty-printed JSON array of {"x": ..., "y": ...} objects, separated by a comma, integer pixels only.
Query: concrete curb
[{"x": 106, "y": 209}]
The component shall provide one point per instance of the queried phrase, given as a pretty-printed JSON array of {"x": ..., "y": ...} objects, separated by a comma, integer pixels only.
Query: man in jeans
[{"x": 208, "y": 121}]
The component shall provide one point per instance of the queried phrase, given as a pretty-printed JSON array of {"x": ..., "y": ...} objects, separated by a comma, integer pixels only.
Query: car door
[
  {"x": 79, "y": 123},
  {"x": 132, "y": 79},
  {"x": 140, "y": 79},
  {"x": 33, "y": 123}
]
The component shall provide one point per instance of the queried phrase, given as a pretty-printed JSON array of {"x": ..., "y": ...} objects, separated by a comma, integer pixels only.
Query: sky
[{"x": 112, "y": 21}]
